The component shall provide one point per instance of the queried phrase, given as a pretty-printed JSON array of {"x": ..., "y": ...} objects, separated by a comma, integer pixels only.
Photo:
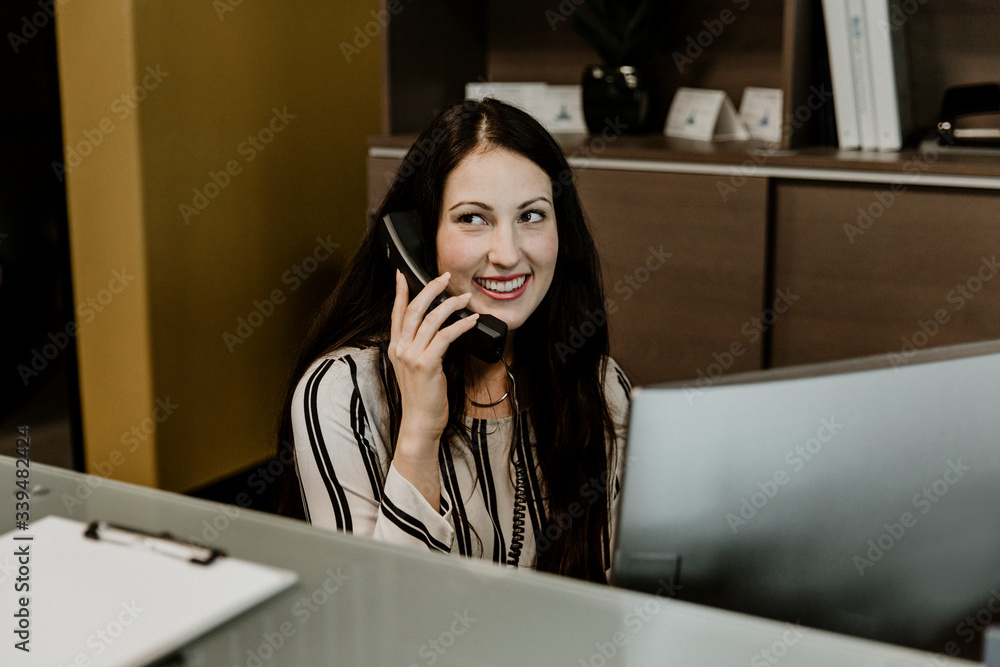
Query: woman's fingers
[
  {"x": 445, "y": 337},
  {"x": 398, "y": 308},
  {"x": 422, "y": 384},
  {"x": 414, "y": 314},
  {"x": 436, "y": 318},
  {"x": 414, "y": 331}
]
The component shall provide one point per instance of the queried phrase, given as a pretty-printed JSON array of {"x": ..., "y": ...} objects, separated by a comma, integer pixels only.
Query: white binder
[
  {"x": 864, "y": 91},
  {"x": 120, "y": 598},
  {"x": 838, "y": 46},
  {"x": 890, "y": 75}
]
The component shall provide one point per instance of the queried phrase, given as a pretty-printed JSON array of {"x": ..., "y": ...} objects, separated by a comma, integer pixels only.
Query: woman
[{"x": 399, "y": 434}]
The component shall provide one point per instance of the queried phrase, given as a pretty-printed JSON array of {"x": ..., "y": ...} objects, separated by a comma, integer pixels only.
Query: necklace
[
  {"x": 490, "y": 405},
  {"x": 510, "y": 381}
]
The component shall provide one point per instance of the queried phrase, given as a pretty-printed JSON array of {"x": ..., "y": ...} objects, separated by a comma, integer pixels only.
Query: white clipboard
[{"x": 118, "y": 597}]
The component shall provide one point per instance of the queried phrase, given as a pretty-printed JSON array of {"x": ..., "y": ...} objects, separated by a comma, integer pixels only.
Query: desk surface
[{"x": 364, "y": 603}]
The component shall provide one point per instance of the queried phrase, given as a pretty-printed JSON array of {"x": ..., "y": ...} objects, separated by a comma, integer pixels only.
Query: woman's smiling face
[{"x": 497, "y": 233}]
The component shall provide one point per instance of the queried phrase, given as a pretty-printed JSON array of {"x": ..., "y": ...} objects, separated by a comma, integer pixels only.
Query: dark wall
[{"x": 37, "y": 357}]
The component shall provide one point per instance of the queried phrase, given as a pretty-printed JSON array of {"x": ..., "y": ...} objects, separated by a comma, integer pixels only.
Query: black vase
[{"x": 616, "y": 98}]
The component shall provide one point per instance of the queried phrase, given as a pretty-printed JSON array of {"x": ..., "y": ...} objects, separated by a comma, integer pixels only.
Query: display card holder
[
  {"x": 760, "y": 110},
  {"x": 706, "y": 115},
  {"x": 558, "y": 108}
]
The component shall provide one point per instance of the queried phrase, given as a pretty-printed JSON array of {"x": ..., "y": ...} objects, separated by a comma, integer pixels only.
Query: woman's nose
[{"x": 504, "y": 250}]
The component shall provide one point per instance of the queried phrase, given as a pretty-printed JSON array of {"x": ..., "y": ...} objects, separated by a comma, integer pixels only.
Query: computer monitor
[{"x": 861, "y": 497}]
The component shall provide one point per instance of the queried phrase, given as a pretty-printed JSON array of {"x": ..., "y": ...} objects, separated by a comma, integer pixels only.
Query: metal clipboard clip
[{"x": 162, "y": 543}]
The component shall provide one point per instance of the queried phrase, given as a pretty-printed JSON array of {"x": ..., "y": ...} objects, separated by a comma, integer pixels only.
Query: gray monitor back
[{"x": 860, "y": 497}]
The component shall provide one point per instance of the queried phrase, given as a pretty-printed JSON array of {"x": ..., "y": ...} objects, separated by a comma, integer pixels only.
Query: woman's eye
[
  {"x": 532, "y": 216},
  {"x": 471, "y": 218}
]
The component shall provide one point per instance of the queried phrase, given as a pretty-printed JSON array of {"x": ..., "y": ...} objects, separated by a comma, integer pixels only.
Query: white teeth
[{"x": 501, "y": 287}]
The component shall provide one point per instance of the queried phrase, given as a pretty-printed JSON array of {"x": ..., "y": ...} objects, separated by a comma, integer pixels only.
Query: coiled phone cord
[{"x": 520, "y": 484}]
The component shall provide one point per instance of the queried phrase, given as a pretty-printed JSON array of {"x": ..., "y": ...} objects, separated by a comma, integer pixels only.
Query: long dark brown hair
[{"x": 568, "y": 410}]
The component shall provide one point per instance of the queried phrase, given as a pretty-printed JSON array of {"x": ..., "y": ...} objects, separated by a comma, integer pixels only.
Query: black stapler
[{"x": 970, "y": 116}]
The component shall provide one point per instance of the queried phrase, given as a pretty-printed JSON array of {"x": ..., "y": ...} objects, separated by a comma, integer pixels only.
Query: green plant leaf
[
  {"x": 592, "y": 24},
  {"x": 623, "y": 32}
]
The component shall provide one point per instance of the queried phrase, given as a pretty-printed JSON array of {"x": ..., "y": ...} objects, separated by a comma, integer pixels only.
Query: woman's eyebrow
[
  {"x": 536, "y": 199},
  {"x": 472, "y": 203}
]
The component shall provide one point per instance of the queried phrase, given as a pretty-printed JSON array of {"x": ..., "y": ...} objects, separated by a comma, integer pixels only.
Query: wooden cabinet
[
  {"x": 683, "y": 271},
  {"x": 884, "y": 268}
]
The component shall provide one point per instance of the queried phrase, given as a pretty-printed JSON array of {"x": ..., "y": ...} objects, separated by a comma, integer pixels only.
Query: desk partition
[{"x": 358, "y": 602}]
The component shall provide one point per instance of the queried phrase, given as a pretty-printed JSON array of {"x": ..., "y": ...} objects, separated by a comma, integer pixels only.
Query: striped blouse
[{"x": 341, "y": 437}]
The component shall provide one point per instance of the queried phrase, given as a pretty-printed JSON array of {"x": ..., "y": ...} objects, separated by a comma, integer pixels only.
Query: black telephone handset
[{"x": 399, "y": 236}]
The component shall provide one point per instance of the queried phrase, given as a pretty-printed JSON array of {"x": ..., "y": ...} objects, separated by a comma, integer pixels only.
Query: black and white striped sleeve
[
  {"x": 618, "y": 391},
  {"x": 344, "y": 465}
]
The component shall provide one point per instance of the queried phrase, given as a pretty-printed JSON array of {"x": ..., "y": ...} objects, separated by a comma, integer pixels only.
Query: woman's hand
[{"x": 417, "y": 346}]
